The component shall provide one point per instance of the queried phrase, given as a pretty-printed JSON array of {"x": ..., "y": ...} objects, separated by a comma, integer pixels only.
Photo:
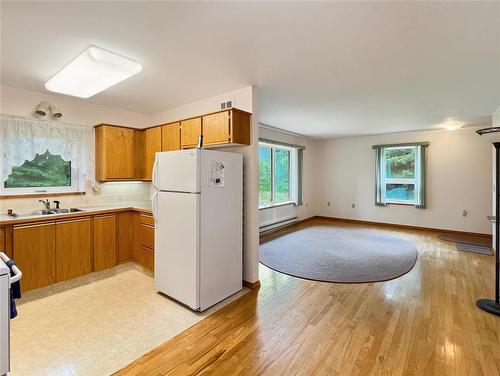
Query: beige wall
[
  {"x": 458, "y": 171},
  {"x": 20, "y": 102},
  {"x": 306, "y": 210}
]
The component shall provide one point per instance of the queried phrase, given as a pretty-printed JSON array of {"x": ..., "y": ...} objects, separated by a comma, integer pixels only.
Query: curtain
[
  {"x": 22, "y": 138},
  {"x": 420, "y": 191},
  {"x": 300, "y": 162},
  {"x": 379, "y": 177}
]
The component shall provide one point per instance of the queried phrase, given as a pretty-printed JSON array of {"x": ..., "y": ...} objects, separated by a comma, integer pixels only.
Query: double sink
[{"x": 36, "y": 213}]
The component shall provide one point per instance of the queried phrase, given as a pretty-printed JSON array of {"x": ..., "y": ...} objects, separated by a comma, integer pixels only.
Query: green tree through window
[{"x": 44, "y": 170}]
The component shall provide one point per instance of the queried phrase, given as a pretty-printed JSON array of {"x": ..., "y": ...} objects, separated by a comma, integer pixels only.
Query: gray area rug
[{"x": 339, "y": 255}]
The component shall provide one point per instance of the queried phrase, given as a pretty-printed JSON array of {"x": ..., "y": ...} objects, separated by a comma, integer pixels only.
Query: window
[
  {"x": 279, "y": 171},
  {"x": 43, "y": 156},
  {"x": 401, "y": 174}
]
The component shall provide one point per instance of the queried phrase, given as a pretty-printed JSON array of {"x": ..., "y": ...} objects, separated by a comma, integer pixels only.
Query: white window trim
[
  {"x": 292, "y": 176},
  {"x": 399, "y": 180},
  {"x": 79, "y": 172}
]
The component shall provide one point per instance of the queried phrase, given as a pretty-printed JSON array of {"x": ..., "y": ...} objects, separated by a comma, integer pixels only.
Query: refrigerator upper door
[
  {"x": 177, "y": 171},
  {"x": 177, "y": 246}
]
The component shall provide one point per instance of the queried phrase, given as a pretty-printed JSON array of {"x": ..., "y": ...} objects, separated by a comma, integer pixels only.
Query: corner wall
[{"x": 458, "y": 177}]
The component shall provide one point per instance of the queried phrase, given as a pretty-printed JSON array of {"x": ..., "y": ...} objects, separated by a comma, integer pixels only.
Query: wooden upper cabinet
[
  {"x": 114, "y": 152},
  {"x": 216, "y": 128},
  {"x": 34, "y": 252},
  {"x": 105, "y": 242},
  {"x": 226, "y": 127},
  {"x": 152, "y": 145},
  {"x": 171, "y": 137},
  {"x": 73, "y": 248},
  {"x": 190, "y": 130}
]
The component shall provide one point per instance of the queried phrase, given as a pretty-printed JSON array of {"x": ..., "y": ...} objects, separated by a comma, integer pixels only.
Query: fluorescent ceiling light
[{"x": 93, "y": 71}]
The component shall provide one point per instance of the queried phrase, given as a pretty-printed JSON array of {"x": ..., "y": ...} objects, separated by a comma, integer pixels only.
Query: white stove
[
  {"x": 5, "y": 282},
  {"x": 4, "y": 317}
]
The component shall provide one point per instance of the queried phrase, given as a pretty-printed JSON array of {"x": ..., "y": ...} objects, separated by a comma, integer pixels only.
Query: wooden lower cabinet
[
  {"x": 144, "y": 240},
  {"x": 35, "y": 252},
  {"x": 73, "y": 248},
  {"x": 125, "y": 237},
  {"x": 3, "y": 240},
  {"x": 144, "y": 256},
  {"x": 105, "y": 241},
  {"x": 54, "y": 251}
]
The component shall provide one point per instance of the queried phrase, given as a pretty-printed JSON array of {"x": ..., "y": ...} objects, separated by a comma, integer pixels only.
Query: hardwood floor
[{"x": 423, "y": 323}]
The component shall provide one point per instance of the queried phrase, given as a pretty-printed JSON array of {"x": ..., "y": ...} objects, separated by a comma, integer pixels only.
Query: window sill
[
  {"x": 34, "y": 195},
  {"x": 401, "y": 203},
  {"x": 277, "y": 205}
]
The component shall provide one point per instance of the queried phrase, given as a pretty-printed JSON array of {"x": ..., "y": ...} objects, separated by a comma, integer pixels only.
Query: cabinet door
[
  {"x": 190, "y": 130},
  {"x": 73, "y": 248},
  {"x": 125, "y": 237},
  {"x": 3, "y": 240},
  {"x": 105, "y": 242},
  {"x": 118, "y": 145},
  {"x": 216, "y": 128},
  {"x": 171, "y": 137},
  {"x": 152, "y": 145},
  {"x": 34, "y": 253}
]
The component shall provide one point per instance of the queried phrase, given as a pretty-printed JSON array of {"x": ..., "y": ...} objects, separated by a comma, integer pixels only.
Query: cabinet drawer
[
  {"x": 147, "y": 219},
  {"x": 147, "y": 236},
  {"x": 144, "y": 256}
]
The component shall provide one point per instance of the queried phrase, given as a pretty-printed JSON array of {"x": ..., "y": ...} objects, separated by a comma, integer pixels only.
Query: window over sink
[{"x": 41, "y": 156}]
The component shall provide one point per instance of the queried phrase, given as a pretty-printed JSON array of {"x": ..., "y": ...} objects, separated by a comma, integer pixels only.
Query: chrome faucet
[{"x": 45, "y": 203}]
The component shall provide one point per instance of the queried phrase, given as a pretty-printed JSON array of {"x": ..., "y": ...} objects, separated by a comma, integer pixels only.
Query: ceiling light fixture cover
[
  {"x": 453, "y": 125},
  {"x": 93, "y": 71}
]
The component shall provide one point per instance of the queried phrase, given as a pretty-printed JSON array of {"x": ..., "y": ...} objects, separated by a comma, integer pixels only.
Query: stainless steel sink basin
[
  {"x": 36, "y": 213},
  {"x": 63, "y": 211}
]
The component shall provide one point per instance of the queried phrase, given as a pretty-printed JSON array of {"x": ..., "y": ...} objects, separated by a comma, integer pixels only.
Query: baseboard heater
[{"x": 277, "y": 224}]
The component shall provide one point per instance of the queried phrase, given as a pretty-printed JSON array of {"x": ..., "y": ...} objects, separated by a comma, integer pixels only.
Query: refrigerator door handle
[
  {"x": 153, "y": 179},
  {"x": 153, "y": 206}
]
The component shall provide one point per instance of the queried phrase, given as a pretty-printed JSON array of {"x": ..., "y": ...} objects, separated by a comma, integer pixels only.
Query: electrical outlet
[
  {"x": 464, "y": 213},
  {"x": 353, "y": 206},
  {"x": 329, "y": 203}
]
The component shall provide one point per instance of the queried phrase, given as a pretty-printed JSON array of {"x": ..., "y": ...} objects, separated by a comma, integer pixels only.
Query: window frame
[
  {"x": 292, "y": 176},
  {"x": 409, "y": 181},
  {"x": 81, "y": 142}
]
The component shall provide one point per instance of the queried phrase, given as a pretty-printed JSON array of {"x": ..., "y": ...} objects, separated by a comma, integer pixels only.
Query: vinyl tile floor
[{"x": 96, "y": 328}]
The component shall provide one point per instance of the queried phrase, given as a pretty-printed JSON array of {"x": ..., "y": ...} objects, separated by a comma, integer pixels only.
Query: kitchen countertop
[{"x": 144, "y": 206}]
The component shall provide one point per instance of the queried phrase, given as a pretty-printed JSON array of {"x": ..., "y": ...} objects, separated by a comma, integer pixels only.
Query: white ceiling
[{"x": 323, "y": 69}]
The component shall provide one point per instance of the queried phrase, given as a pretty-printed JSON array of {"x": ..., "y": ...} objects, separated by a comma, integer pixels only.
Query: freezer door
[
  {"x": 177, "y": 171},
  {"x": 177, "y": 246}
]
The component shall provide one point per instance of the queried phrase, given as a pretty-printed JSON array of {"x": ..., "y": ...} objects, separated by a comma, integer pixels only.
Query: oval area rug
[{"x": 339, "y": 255}]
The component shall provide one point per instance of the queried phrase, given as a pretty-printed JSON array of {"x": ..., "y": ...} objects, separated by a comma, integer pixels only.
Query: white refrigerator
[{"x": 198, "y": 212}]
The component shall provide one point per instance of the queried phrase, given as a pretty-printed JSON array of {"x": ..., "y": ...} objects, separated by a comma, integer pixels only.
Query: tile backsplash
[{"x": 110, "y": 193}]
